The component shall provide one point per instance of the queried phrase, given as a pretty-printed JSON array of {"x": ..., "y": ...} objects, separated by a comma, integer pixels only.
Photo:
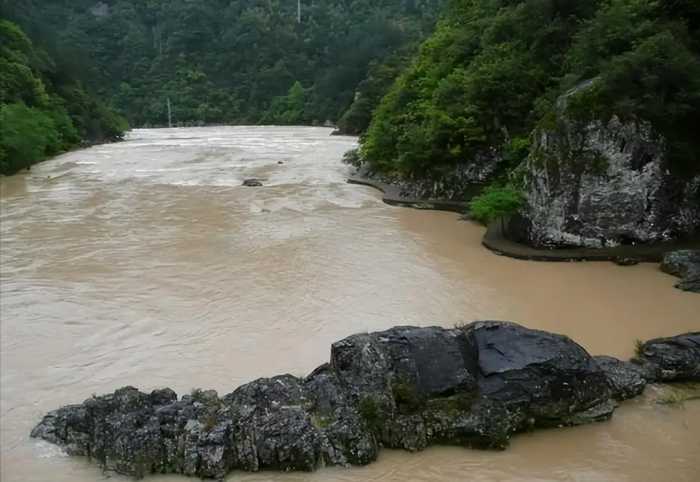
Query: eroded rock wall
[
  {"x": 597, "y": 184},
  {"x": 591, "y": 183}
]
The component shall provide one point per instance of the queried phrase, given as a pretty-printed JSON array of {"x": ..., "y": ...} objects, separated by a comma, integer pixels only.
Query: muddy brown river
[{"x": 146, "y": 263}]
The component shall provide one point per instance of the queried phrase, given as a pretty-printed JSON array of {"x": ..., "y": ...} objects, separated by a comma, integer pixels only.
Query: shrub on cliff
[{"x": 496, "y": 202}]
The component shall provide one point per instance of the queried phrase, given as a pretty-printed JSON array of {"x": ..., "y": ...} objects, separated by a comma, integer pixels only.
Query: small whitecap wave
[{"x": 49, "y": 451}]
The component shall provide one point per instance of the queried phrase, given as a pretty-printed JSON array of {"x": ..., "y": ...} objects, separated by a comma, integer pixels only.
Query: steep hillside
[
  {"x": 228, "y": 61},
  {"x": 562, "y": 101},
  {"x": 42, "y": 110}
]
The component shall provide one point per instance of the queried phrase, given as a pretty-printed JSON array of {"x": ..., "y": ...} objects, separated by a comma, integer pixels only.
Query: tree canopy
[
  {"x": 42, "y": 111},
  {"x": 493, "y": 70},
  {"x": 227, "y": 61}
]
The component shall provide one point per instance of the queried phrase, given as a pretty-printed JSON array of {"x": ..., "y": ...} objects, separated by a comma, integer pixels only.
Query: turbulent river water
[{"x": 146, "y": 263}]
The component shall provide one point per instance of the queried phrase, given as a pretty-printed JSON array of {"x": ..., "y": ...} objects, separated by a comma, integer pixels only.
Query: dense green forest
[
  {"x": 233, "y": 61},
  {"x": 43, "y": 111},
  {"x": 493, "y": 70}
]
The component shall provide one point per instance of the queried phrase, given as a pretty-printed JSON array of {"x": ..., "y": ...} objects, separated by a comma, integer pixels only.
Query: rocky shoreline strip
[
  {"x": 407, "y": 388},
  {"x": 392, "y": 195},
  {"x": 496, "y": 241}
]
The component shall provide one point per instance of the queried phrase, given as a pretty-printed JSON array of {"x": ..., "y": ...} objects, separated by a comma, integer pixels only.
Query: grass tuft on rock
[
  {"x": 370, "y": 413},
  {"x": 678, "y": 393}
]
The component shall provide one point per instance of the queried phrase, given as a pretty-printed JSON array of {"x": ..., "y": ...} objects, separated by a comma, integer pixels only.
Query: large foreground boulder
[{"x": 406, "y": 387}]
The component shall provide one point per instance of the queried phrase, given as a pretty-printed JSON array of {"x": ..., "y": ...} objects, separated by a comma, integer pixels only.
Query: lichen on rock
[{"x": 594, "y": 183}]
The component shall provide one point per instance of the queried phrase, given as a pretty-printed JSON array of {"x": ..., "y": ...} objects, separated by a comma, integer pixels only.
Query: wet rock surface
[
  {"x": 406, "y": 387},
  {"x": 626, "y": 380},
  {"x": 684, "y": 264},
  {"x": 671, "y": 359}
]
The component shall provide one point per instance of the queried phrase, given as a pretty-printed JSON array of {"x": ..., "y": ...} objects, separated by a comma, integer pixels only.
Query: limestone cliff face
[{"x": 599, "y": 184}]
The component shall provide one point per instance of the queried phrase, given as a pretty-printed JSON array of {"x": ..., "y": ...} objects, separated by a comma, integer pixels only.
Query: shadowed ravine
[{"x": 145, "y": 263}]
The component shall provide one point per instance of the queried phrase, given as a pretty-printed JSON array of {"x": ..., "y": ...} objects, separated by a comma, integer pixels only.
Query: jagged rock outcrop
[
  {"x": 596, "y": 184},
  {"x": 456, "y": 183},
  {"x": 459, "y": 182},
  {"x": 404, "y": 388},
  {"x": 685, "y": 264},
  {"x": 671, "y": 359}
]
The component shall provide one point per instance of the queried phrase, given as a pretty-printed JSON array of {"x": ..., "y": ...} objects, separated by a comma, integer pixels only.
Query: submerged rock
[
  {"x": 671, "y": 359},
  {"x": 626, "y": 261},
  {"x": 405, "y": 387},
  {"x": 685, "y": 264}
]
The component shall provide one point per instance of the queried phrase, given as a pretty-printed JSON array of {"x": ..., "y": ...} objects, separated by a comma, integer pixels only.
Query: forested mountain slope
[
  {"x": 588, "y": 110},
  {"x": 43, "y": 110},
  {"x": 494, "y": 69},
  {"x": 229, "y": 61}
]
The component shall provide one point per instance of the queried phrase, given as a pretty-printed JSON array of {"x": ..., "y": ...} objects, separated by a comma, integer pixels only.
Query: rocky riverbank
[
  {"x": 683, "y": 255},
  {"x": 407, "y": 387}
]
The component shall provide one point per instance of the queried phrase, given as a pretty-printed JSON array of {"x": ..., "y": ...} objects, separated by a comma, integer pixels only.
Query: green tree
[
  {"x": 288, "y": 109},
  {"x": 493, "y": 70},
  {"x": 42, "y": 110},
  {"x": 27, "y": 135}
]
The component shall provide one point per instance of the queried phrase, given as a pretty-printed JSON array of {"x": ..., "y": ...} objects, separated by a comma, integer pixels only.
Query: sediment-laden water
[{"x": 146, "y": 263}]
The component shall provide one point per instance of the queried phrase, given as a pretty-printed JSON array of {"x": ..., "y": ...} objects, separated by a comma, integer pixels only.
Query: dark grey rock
[
  {"x": 626, "y": 379},
  {"x": 545, "y": 376},
  {"x": 433, "y": 361},
  {"x": 685, "y": 264},
  {"x": 405, "y": 387},
  {"x": 671, "y": 359},
  {"x": 690, "y": 283},
  {"x": 252, "y": 183},
  {"x": 625, "y": 261},
  {"x": 681, "y": 262}
]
